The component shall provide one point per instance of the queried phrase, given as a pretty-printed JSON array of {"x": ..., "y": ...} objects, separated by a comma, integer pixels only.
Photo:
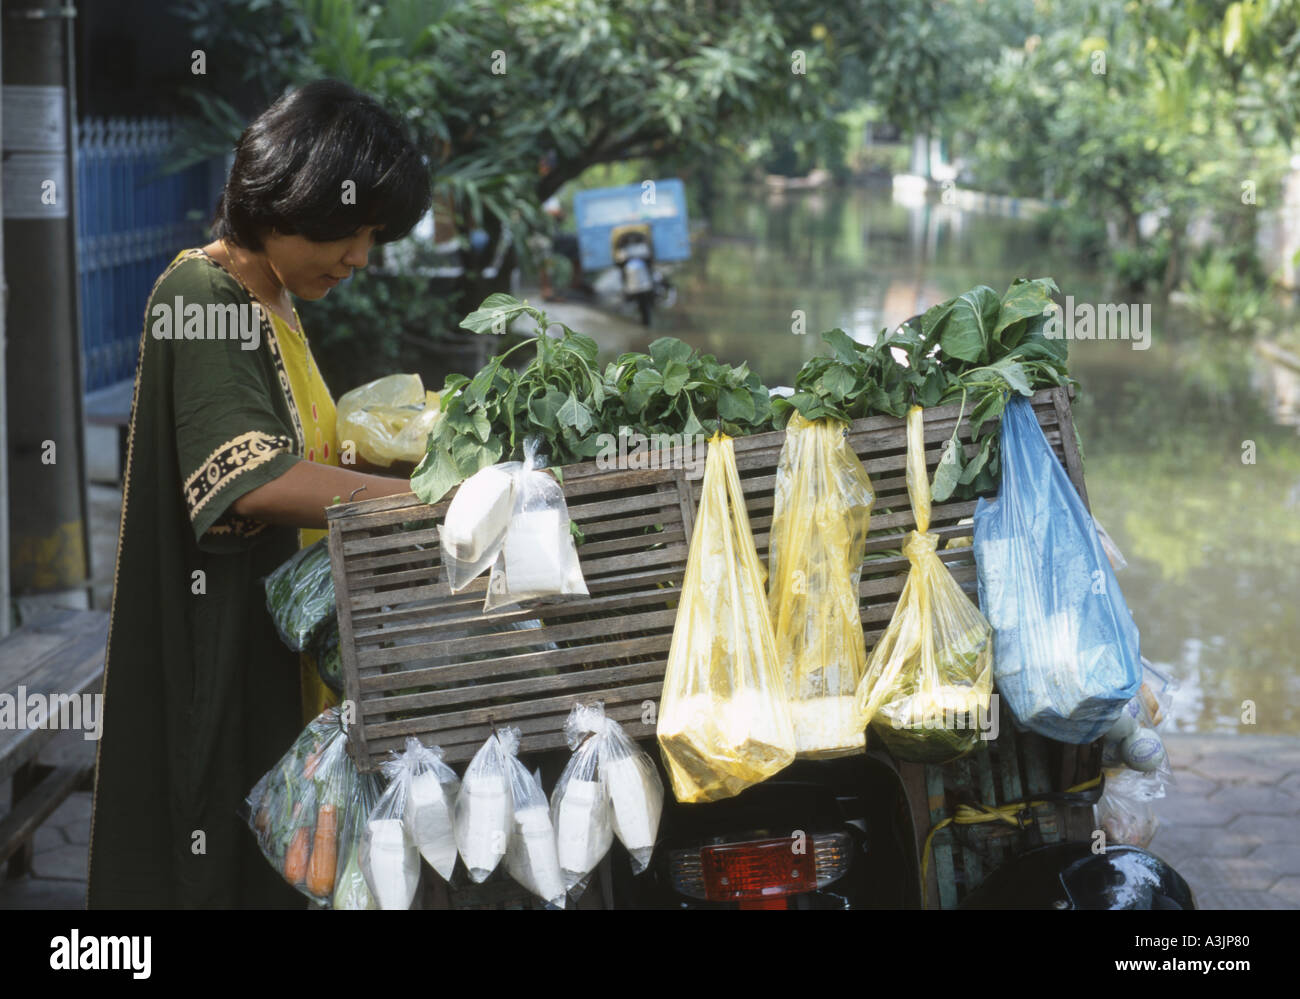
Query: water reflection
[{"x": 1189, "y": 460}]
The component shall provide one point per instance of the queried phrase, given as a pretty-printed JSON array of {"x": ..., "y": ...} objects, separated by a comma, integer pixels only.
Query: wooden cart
[{"x": 421, "y": 661}]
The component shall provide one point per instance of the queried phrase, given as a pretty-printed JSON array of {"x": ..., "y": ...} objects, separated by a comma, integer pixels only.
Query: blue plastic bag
[{"x": 1065, "y": 648}]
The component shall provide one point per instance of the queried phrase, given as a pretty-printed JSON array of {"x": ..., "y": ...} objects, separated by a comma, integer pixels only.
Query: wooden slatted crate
[{"x": 419, "y": 660}]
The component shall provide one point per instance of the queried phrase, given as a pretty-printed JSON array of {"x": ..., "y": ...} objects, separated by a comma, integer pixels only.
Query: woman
[{"x": 231, "y": 463}]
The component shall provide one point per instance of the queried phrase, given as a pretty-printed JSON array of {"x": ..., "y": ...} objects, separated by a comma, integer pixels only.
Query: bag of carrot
[{"x": 296, "y": 809}]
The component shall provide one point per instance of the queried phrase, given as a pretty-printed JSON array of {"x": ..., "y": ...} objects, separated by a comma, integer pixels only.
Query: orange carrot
[
  {"x": 324, "y": 854},
  {"x": 295, "y": 858}
]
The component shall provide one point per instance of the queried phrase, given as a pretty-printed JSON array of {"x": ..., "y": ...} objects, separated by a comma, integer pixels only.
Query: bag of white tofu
[
  {"x": 482, "y": 814},
  {"x": 634, "y": 789},
  {"x": 538, "y": 558},
  {"x": 532, "y": 857},
  {"x": 390, "y": 861},
  {"x": 475, "y": 524},
  {"x": 580, "y": 803},
  {"x": 430, "y": 806}
]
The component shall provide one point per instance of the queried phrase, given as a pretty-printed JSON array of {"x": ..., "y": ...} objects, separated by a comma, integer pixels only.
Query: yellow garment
[{"x": 316, "y": 412}]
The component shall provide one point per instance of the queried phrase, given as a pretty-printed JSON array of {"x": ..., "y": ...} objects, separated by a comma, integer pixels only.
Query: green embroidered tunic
[{"x": 200, "y": 696}]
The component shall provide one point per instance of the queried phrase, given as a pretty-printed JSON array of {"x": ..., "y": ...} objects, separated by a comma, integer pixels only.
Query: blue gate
[{"x": 132, "y": 219}]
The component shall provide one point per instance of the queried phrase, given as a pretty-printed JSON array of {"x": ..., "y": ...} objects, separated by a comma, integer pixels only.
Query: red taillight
[{"x": 759, "y": 869}]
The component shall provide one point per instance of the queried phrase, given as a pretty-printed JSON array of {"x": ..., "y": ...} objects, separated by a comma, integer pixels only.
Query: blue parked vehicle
[{"x": 635, "y": 229}]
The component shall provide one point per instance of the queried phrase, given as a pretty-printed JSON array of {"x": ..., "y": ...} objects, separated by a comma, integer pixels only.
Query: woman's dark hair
[{"x": 292, "y": 165}]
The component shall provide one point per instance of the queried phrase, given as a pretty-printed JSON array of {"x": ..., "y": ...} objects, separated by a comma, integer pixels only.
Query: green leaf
[
  {"x": 1024, "y": 300},
  {"x": 435, "y": 476},
  {"x": 977, "y": 463},
  {"x": 846, "y": 351},
  {"x": 545, "y": 409},
  {"x": 838, "y": 381},
  {"x": 482, "y": 426},
  {"x": 968, "y": 328},
  {"x": 947, "y": 474},
  {"x": 676, "y": 374},
  {"x": 667, "y": 349},
  {"x": 988, "y": 408},
  {"x": 574, "y": 414},
  {"x": 496, "y": 314},
  {"x": 1014, "y": 375},
  {"x": 736, "y": 404},
  {"x": 646, "y": 383},
  {"x": 583, "y": 345}
]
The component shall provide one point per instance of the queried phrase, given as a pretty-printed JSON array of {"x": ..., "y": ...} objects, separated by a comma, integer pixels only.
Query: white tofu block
[
  {"x": 583, "y": 833},
  {"x": 394, "y": 864},
  {"x": 429, "y": 823},
  {"x": 636, "y": 800},
  {"x": 479, "y": 514},
  {"x": 533, "y": 553},
  {"x": 484, "y": 833}
]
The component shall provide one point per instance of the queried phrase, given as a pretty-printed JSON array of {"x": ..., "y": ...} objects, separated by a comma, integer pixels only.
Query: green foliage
[
  {"x": 978, "y": 347},
  {"x": 562, "y": 397},
  {"x": 1224, "y": 299}
]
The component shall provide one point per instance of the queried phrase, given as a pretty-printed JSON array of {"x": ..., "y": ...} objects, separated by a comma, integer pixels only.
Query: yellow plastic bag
[
  {"x": 724, "y": 721},
  {"x": 819, "y": 538},
  {"x": 388, "y": 419},
  {"x": 928, "y": 681}
]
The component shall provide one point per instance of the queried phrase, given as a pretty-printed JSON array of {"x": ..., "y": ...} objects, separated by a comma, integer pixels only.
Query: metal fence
[{"x": 132, "y": 219}]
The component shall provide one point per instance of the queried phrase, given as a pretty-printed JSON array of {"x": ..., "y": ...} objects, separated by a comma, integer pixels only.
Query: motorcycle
[{"x": 633, "y": 231}]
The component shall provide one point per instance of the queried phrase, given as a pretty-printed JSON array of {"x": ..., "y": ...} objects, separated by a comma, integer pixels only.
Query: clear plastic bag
[
  {"x": 724, "y": 721},
  {"x": 296, "y": 808},
  {"x": 475, "y": 525},
  {"x": 1124, "y": 811},
  {"x": 390, "y": 861},
  {"x": 1066, "y": 656},
  {"x": 483, "y": 815},
  {"x": 300, "y": 596},
  {"x": 635, "y": 791},
  {"x": 513, "y": 518},
  {"x": 538, "y": 559},
  {"x": 822, "y": 513},
  {"x": 532, "y": 857},
  {"x": 580, "y": 806},
  {"x": 389, "y": 419},
  {"x": 929, "y": 679},
  {"x": 350, "y": 888},
  {"x": 431, "y": 806}
]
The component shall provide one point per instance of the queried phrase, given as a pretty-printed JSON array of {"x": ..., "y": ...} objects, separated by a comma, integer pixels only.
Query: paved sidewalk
[{"x": 1231, "y": 827}]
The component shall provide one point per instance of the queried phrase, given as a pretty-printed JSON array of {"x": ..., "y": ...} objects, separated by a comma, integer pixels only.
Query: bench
[
  {"x": 111, "y": 407},
  {"x": 59, "y": 655}
]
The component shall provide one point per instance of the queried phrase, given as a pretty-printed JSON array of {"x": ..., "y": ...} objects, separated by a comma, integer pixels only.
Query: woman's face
[{"x": 308, "y": 269}]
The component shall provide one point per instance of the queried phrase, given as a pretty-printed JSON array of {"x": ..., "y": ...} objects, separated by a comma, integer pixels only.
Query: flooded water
[{"x": 1191, "y": 449}]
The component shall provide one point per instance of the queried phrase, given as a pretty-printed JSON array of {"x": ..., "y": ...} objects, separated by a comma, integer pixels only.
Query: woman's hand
[{"x": 298, "y": 498}]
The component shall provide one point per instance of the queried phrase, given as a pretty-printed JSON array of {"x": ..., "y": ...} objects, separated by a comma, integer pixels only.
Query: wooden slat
[{"x": 407, "y": 632}]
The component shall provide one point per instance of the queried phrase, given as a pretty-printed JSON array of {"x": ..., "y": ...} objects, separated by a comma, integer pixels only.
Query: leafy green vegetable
[
  {"x": 563, "y": 397},
  {"x": 978, "y": 347}
]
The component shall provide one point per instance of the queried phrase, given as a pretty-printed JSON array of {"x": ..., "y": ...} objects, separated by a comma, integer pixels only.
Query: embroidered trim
[
  {"x": 232, "y": 459},
  {"x": 273, "y": 344},
  {"x": 237, "y": 526}
]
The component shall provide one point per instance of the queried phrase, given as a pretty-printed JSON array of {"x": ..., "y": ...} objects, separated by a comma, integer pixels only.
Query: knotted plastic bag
[
  {"x": 532, "y": 855},
  {"x": 538, "y": 558},
  {"x": 300, "y": 596},
  {"x": 636, "y": 793},
  {"x": 295, "y": 810},
  {"x": 514, "y": 518},
  {"x": 724, "y": 721},
  {"x": 820, "y": 522},
  {"x": 929, "y": 679},
  {"x": 580, "y": 807},
  {"x": 430, "y": 806},
  {"x": 1066, "y": 648},
  {"x": 483, "y": 814},
  {"x": 389, "y": 419},
  {"x": 350, "y": 888},
  {"x": 390, "y": 861}
]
